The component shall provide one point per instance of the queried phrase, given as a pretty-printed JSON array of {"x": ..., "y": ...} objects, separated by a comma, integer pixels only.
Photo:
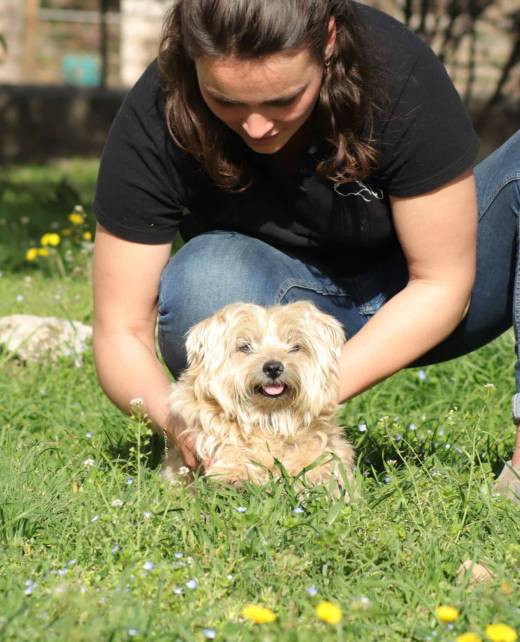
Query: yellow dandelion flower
[
  {"x": 258, "y": 614},
  {"x": 51, "y": 238},
  {"x": 506, "y": 588},
  {"x": 31, "y": 254},
  {"x": 87, "y": 236},
  {"x": 468, "y": 637},
  {"x": 501, "y": 633},
  {"x": 329, "y": 612},
  {"x": 76, "y": 219},
  {"x": 446, "y": 614},
  {"x": 43, "y": 251}
]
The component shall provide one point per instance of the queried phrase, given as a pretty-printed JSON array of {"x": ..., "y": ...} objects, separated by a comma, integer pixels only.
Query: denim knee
[{"x": 498, "y": 170}]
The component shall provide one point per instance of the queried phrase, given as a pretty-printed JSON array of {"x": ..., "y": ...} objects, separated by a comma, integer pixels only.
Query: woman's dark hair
[{"x": 248, "y": 29}]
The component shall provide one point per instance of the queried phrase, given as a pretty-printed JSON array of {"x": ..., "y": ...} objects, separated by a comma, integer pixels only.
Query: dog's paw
[{"x": 339, "y": 481}]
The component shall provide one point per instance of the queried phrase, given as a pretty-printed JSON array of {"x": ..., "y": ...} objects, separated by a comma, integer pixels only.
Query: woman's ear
[{"x": 331, "y": 39}]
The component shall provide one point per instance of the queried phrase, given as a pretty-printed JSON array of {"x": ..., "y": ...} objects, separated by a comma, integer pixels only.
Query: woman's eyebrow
[{"x": 279, "y": 99}]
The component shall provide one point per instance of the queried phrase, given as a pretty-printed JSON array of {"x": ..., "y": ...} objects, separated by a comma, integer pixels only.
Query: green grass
[{"x": 78, "y": 565}]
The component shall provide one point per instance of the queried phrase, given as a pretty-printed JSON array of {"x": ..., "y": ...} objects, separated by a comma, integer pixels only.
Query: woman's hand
[{"x": 184, "y": 443}]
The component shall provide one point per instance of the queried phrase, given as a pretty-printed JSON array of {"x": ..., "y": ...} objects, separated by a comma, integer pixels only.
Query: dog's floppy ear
[
  {"x": 329, "y": 329},
  {"x": 206, "y": 340},
  {"x": 203, "y": 339}
]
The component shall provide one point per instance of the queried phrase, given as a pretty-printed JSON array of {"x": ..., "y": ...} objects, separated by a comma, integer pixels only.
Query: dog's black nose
[{"x": 273, "y": 369}]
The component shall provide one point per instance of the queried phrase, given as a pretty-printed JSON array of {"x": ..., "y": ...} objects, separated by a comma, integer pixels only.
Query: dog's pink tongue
[{"x": 274, "y": 389}]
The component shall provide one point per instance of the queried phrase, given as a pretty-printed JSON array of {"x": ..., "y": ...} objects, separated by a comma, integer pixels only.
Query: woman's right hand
[{"x": 185, "y": 443}]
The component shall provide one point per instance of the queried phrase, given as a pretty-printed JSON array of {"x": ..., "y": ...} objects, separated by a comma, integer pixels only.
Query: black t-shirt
[{"x": 148, "y": 189}]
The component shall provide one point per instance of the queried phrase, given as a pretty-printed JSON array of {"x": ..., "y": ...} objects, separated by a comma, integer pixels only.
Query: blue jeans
[{"x": 222, "y": 267}]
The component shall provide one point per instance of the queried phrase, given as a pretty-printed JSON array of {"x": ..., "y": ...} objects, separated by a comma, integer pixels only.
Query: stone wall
[{"x": 40, "y": 123}]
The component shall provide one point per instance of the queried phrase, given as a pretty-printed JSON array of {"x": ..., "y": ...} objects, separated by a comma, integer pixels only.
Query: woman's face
[{"x": 265, "y": 101}]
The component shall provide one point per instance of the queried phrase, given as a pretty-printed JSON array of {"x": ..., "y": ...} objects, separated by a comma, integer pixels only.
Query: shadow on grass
[
  {"x": 375, "y": 453},
  {"x": 123, "y": 451}
]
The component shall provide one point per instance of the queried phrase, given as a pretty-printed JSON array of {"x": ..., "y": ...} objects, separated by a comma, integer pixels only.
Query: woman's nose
[{"x": 257, "y": 126}]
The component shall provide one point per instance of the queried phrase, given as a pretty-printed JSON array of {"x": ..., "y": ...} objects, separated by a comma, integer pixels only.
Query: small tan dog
[{"x": 262, "y": 383}]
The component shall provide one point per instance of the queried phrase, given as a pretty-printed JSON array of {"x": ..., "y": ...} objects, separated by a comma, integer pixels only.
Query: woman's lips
[{"x": 261, "y": 141}]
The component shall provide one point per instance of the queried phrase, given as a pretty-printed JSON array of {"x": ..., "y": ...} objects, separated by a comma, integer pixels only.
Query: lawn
[{"x": 95, "y": 546}]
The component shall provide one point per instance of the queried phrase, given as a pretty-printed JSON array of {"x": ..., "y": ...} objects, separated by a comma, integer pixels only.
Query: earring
[{"x": 326, "y": 64}]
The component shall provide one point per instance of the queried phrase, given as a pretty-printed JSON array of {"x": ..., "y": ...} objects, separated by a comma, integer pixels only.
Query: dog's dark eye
[
  {"x": 245, "y": 348},
  {"x": 295, "y": 348}
]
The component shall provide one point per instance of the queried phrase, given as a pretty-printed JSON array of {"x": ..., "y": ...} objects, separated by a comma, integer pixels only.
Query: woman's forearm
[
  {"x": 407, "y": 326},
  {"x": 129, "y": 369}
]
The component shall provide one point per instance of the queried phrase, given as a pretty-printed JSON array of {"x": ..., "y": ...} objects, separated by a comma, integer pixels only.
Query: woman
[{"x": 305, "y": 149}]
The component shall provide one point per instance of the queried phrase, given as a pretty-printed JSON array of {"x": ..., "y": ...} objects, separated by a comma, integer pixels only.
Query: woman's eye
[
  {"x": 282, "y": 103},
  {"x": 295, "y": 348},
  {"x": 245, "y": 348}
]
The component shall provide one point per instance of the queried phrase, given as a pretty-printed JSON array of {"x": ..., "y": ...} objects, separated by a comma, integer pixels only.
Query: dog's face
[{"x": 255, "y": 361}]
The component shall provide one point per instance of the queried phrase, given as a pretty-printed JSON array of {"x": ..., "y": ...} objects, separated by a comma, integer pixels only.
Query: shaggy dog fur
[{"x": 262, "y": 385}]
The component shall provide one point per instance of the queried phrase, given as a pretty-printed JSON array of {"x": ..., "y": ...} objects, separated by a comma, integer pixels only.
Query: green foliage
[
  {"x": 94, "y": 545},
  {"x": 37, "y": 200}
]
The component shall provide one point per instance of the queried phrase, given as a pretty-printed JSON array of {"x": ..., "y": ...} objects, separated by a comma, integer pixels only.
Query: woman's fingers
[
  {"x": 186, "y": 445},
  {"x": 187, "y": 448}
]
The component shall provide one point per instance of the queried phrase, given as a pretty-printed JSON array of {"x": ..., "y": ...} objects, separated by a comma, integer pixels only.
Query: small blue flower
[
  {"x": 209, "y": 634},
  {"x": 148, "y": 566},
  {"x": 312, "y": 591},
  {"x": 133, "y": 632},
  {"x": 240, "y": 509},
  {"x": 387, "y": 479},
  {"x": 192, "y": 584},
  {"x": 362, "y": 427},
  {"x": 30, "y": 585},
  {"x": 412, "y": 427},
  {"x": 116, "y": 548},
  {"x": 88, "y": 435},
  {"x": 179, "y": 555},
  {"x": 398, "y": 438},
  {"x": 129, "y": 481},
  {"x": 298, "y": 510},
  {"x": 422, "y": 375}
]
